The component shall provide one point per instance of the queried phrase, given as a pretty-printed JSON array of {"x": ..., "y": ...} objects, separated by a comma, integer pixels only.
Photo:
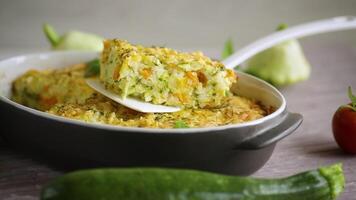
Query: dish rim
[{"x": 109, "y": 127}]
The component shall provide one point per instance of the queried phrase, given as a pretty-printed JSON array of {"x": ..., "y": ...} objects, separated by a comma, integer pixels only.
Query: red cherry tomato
[{"x": 344, "y": 128}]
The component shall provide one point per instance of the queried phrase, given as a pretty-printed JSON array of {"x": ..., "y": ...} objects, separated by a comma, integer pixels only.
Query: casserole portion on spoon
[
  {"x": 188, "y": 80},
  {"x": 164, "y": 76}
]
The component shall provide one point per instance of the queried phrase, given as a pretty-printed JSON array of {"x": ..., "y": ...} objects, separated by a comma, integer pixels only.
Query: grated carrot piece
[{"x": 146, "y": 72}]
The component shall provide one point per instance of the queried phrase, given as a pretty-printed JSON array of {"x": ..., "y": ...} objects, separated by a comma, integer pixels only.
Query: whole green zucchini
[{"x": 325, "y": 183}]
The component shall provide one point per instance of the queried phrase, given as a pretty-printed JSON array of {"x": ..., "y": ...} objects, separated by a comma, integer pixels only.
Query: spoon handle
[{"x": 311, "y": 28}]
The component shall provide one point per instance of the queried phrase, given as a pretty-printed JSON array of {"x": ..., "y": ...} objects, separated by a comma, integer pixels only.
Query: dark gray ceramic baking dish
[{"x": 239, "y": 149}]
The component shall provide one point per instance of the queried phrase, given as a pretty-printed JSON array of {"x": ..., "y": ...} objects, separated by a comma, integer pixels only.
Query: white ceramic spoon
[
  {"x": 134, "y": 104},
  {"x": 320, "y": 26}
]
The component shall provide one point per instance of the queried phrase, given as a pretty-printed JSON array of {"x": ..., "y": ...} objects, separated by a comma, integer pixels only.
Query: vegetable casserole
[
  {"x": 164, "y": 76},
  {"x": 64, "y": 92}
]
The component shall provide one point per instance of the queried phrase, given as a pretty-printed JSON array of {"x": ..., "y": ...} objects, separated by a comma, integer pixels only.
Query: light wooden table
[{"x": 312, "y": 145}]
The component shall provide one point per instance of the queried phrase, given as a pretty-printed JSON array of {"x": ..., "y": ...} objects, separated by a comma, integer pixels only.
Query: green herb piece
[
  {"x": 352, "y": 98},
  {"x": 280, "y": 65},
  {"x": 73, "y": 40},
  {"x": 92, "y": 68},
  {"x": 228, "y": 49},
  {"x": 180, "y": 124}
]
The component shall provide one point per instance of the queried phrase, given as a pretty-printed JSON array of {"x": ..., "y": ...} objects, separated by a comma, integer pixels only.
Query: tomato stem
[{"x": 352, "y": 98}]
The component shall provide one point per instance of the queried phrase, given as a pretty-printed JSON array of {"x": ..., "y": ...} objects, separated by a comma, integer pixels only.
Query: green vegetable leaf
[
  {"x": 352, "y": 97},
  {"x": 92, "y": 68},
  {"x": 51, "y": 34},
  {"x": 228, "y": 49},
  {"x": 180, "y": 124}
]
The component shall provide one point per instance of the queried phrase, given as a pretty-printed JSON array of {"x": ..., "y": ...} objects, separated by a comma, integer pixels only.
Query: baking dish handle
[{"x": 288, "y": 125}]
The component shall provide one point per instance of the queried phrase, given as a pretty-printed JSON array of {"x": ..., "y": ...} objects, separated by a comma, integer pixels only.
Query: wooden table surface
[{"x": 311, "y": 146}]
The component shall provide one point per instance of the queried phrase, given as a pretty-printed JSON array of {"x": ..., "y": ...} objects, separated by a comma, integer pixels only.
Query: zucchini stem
[
  {"x": 51, "y": 34},
  {"x": 335, "y": 177}
]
